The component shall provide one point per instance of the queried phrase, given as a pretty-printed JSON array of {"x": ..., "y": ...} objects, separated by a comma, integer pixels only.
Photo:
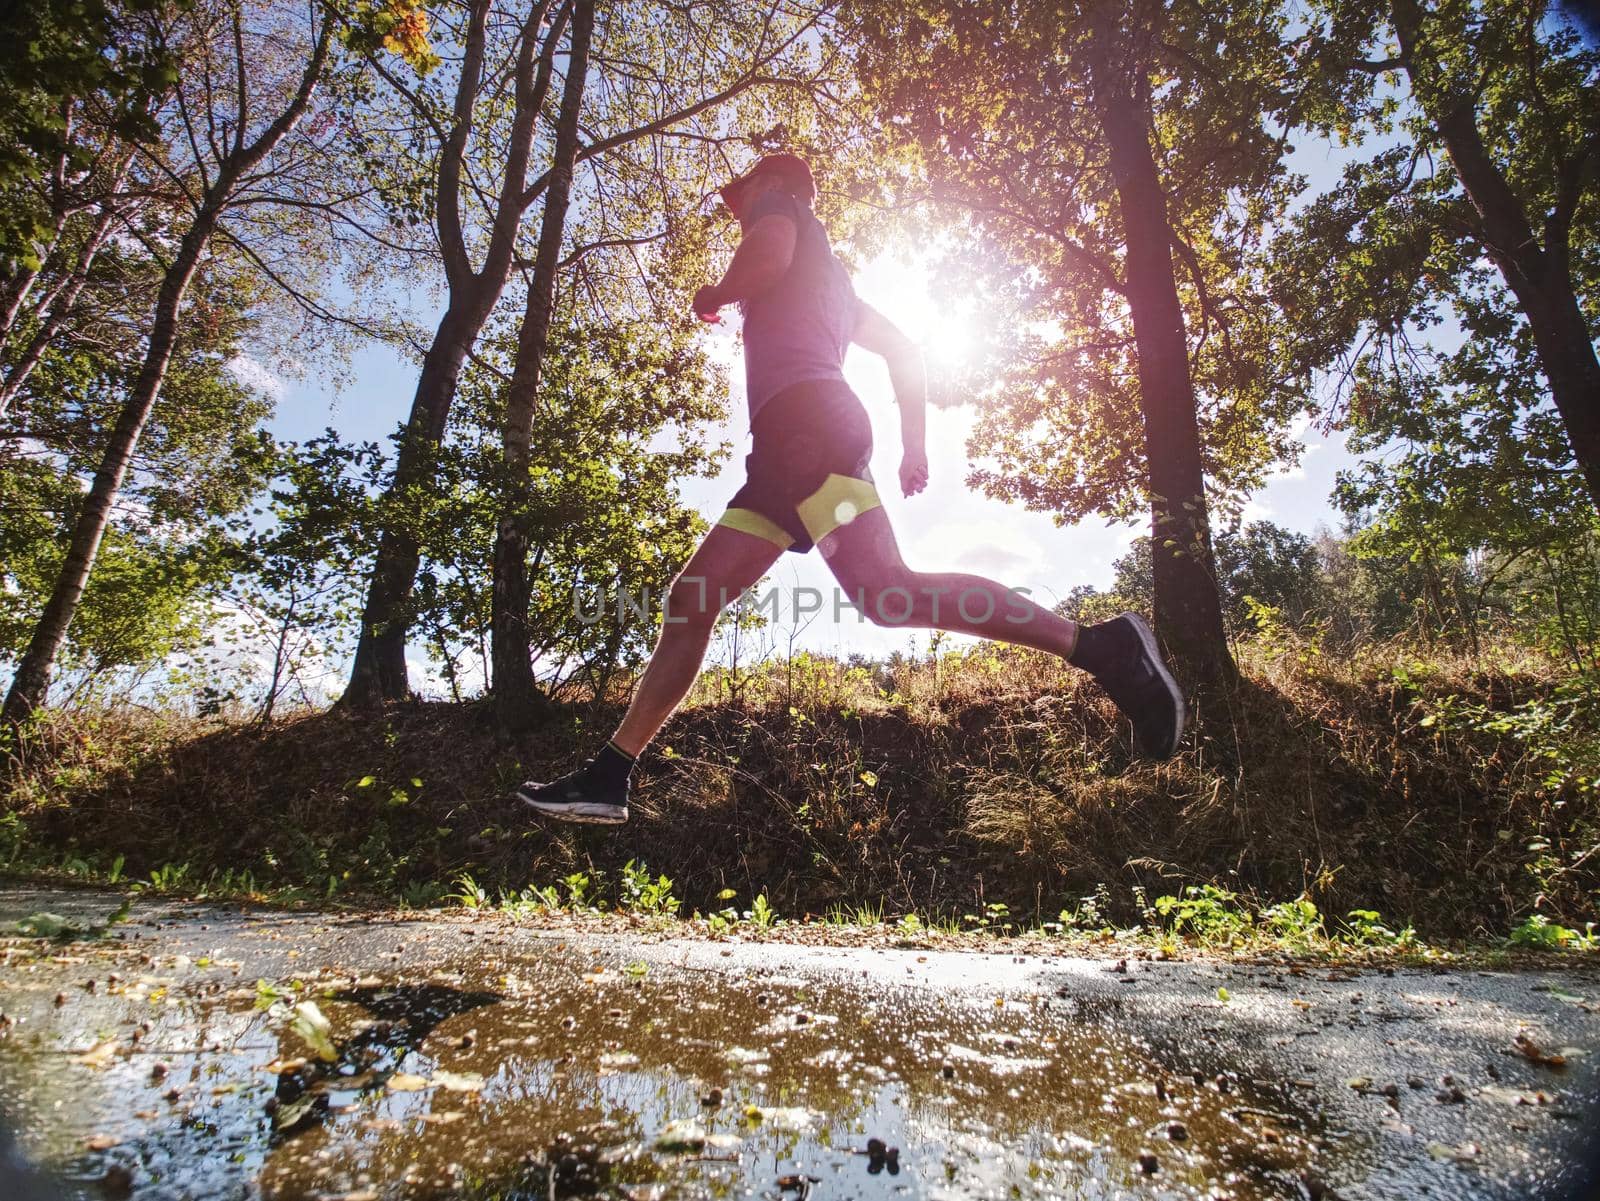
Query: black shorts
[{"x": 806, "y": 474}]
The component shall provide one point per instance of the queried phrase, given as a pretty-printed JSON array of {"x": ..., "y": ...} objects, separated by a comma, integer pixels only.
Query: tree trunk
[
  {"x": 515, "y": 692},
  {"x": 379, "y": 671},
  {"x": 1566, "y": 352},
  {"x": 32, "y": 681},
  {"x": 1188, "y": 608},
  {"x": 1538, "y": 272}
]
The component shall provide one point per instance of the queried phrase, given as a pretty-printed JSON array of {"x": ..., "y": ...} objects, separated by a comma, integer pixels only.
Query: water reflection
[
  {"x": 545, "y": 1079},
  {"x": 401, "y": 1017}
]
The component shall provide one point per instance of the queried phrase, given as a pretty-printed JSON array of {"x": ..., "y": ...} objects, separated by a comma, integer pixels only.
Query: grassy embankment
[{"x": 987, "y": 790}]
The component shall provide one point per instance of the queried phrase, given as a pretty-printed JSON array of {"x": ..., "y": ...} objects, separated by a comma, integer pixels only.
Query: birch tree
[
  {"x": 663, "y": 75},
  {"x": 249, "y": 78}
]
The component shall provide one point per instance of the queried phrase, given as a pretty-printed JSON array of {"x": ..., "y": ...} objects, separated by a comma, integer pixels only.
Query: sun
[
  {"x": 900, "y": 286},
  {"x": 946, "y": 325}
]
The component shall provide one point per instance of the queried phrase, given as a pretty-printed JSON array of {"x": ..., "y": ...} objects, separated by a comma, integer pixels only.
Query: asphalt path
[{"x": 636, "y": 1064}]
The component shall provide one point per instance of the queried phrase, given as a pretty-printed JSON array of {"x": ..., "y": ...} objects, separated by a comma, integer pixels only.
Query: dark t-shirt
[{"x": 799, "y": 328}]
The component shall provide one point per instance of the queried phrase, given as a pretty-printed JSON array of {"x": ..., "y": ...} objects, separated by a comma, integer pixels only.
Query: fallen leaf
[
  {"x": 280, "y": 1067},
  {"x": 1531, "y": 1051},
  {"x": 100, "y": 1142},
  {"x": 310, "y": 1024},
  {"x": 98, "y": 1056},
  {"x": 1501, "y": 1095},
  {"x": 443, "y": 1119},
  {"x": 287, "y": 1117},
  {"x": 459, "y": 1082},
  {"x": 405, "y": 1082}
]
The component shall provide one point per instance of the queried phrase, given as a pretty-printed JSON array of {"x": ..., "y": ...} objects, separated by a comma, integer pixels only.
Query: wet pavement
[{"x": 204, "y": 1051}]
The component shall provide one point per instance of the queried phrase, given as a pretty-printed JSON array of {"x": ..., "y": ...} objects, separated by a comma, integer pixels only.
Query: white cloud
[
  {"x": 985, "y": 547},
  {"x": 253, "y": 373}
]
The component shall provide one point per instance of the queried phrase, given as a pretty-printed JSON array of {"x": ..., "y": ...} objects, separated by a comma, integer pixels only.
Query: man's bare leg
[
  {"x": 727, "y": 562},
  {"x": 865, "y": 558},
  {"x": 1121, "y": 654}
]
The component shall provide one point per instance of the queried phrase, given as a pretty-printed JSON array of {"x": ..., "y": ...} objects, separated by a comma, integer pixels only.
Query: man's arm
[
  {"x": 909, "y": 377},
  {"x": 764, "y": 254}
]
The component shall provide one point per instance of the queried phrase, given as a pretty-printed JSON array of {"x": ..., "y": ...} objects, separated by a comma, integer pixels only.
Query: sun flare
[{"x": 900, "y": 286}]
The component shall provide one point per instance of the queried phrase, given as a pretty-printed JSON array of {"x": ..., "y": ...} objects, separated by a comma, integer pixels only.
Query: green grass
[
  {"x": 987, "y": 794},
  {"x": 1202, "y": 919}
]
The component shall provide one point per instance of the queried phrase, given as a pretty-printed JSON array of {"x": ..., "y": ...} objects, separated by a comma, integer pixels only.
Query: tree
[
  {"x": 247, "y": 104},
  {"x": 1266, "y": 563},
  {"x": 167, "y": 548},
  {"x": 1511, "y": 95},
  {"x": 514, "y": 690},
  {"x": 654, "y": 102},
  {"x": 1185, "y": 601},
  {"x": 64, "y": 65},
  {"x": 1257, "y": 561},
  {"x": 1442, "y": 283},
  {"x": 1118, "y": 161},
  {"x": 596, "y": 501},
  {"x": 296, "y": 579},
  {"x": 40, "y": 314}
]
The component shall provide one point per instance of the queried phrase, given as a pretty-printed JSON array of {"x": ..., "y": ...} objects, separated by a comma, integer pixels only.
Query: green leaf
[{"x": 315, "y": 1029}]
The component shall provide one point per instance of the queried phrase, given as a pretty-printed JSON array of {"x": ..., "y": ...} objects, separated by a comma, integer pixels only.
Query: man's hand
[
  {"x": 914, "y": 471},
  {"x": 706, "y": 303}
]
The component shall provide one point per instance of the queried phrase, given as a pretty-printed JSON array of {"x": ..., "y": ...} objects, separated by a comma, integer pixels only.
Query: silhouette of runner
[{"x": 808, "y": 484}]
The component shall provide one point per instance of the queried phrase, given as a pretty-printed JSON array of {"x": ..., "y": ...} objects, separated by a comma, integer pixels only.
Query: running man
[{"x": 807, "y": 484}]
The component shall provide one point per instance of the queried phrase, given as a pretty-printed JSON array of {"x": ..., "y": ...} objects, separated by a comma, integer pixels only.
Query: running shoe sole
[
  {"x": 1153, "y": 653},
  {"x": 585, "y": 813}
]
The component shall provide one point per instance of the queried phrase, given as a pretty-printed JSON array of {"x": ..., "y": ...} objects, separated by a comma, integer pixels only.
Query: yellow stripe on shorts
[
  {"x": 839, "y": 501},
  {"x": 751, "y": 522}
]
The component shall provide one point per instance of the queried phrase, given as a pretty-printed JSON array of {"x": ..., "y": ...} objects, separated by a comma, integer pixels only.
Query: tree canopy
[{"x": 517, "y": 201}]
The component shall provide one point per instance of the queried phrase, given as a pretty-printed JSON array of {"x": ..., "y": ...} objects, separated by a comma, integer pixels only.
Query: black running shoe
[
  {"x": 1139, "y": 682},
  {"x": 577, "y": 797}
]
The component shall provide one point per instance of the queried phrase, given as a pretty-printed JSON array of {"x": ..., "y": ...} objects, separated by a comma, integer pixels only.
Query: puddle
[{"x": 546, "y": 1077}]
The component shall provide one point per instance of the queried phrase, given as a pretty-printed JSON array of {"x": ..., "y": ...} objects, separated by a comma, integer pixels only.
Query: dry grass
[{"x": 992, "y": 776}]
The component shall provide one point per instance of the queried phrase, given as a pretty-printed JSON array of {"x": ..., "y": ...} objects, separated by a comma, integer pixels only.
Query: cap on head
[{"x": 790, "y": 171}]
